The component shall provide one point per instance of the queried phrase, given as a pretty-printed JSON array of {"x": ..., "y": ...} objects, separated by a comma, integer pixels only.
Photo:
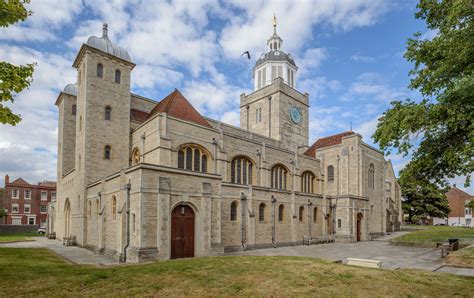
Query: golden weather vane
[{"x": 274, "y": 22}]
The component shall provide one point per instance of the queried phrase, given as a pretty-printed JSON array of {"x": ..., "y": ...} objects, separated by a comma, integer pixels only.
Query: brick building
[{"x": 25, "y": 203}]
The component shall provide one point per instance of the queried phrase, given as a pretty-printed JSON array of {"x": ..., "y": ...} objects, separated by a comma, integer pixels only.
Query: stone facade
[{"x": 140, "y": 165}]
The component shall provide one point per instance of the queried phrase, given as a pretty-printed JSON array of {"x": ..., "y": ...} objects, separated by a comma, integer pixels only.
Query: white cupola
[{"x": 274, "y": 64}]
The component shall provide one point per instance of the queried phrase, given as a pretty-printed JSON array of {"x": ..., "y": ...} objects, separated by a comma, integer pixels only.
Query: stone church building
[{"x": 144, "y": 180}]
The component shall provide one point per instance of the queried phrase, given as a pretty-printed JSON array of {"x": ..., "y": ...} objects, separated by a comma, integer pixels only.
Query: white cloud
[
  {"x": 52, "y": 13},
  {"x": 318, "y": 86},
  {"x": 373, "y": 86},
  {"x": 361, "y": 58},
  {"x": 311, "y": 61},
  {"x": 231, "y": 117},
  {"x": 23, "y": 33}
]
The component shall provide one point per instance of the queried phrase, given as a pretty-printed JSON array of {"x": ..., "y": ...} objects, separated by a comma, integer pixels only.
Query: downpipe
[
  {"x": 243, "y": 200},
  {"x": 273, "y": 222},
  {"x": 127, "y": 222}
]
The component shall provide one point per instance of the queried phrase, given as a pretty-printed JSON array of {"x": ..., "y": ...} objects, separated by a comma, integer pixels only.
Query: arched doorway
[
  {"x": 67, "y": 219},
  {"x": 182, "y": 232},
  {"x": 359, "y": 226}
]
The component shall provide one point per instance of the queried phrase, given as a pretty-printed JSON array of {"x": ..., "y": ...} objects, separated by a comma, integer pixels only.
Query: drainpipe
[
  {"x": 127, "y": 222},
  {"x": 243, "y": 200},
  {"x": 310, "y": 204},
  {"x": 273, "y": 221}
]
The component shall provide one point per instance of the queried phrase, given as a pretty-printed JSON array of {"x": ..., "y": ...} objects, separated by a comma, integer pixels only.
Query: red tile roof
[
  {"x": 176, "y": 105},
  {"x": 138, "y": 115},
  {"x": 326, "y": 142},
  {"x": 20, "y": 181}
]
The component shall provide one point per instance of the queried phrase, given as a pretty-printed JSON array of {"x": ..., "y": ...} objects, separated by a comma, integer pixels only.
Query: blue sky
[{"x": 349, "y": 54}]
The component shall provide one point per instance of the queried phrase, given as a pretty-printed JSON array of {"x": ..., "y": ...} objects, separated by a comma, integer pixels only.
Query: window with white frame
[
  {"x": 43, "y": 209},
  {"x": 15, "y": 208},
  {"x": 27, "y": 194},
  {"x": 44, "y": 195},
  {"x": 53, "y": 196},
  {"x": 43, "y": 222},
  {"x": 27, "y": 208},
  {"x": 15, "y": 193},
  {"x": 31, "y": 221}
]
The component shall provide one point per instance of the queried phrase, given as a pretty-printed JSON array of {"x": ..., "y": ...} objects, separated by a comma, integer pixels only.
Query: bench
[
  {"x": 364, "y": 263},
  {"x": 69, "y": 241},
  {"x": 448, "y": 247},
  {"x": 316, "y": 240}
]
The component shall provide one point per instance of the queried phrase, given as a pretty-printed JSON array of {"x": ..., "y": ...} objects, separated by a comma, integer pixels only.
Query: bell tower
[{"x": 276, "y": 109}]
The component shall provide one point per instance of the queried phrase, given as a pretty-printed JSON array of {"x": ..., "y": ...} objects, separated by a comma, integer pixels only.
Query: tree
[
  {"x": 470, "y": 205},
  {"x": 421, "y": 197},
  {"x": 439, "y": 129},
  {"x": 13, "y": 79}
]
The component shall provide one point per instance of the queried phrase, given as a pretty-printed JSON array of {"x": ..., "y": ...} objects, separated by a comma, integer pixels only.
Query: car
[
  {"x": 440, "y": 224},
  {"x": 42, "y": 230}
]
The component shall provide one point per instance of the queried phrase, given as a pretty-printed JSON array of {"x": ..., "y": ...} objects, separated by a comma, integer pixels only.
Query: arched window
[
  {"x": 108, "y": 113},
  {"x": 74, "y": 110},
  {"x": 117, "y": 76},
  {"x": 301, "y": 214},
  {"x": 107, "y": 152},
  {"x": 307, "y": 182},
  {"x": 278, "y": 177},
  {"x": 330, "y": 173},
  {"x": 315, "y": 214},
  {"x": 281, "y": 210},
  {"x": 261, "y": 212},
  {"x": 371, "y": 178},
  {"x": 241, "y": 170},
  {"x": 114, "y": 208},
  {"x": 233, "y": 211},
  {"x": 97, "y": 208},
  {"x": 193, "y": 158},
  {"x": 89, "y": 209},
  {"x": 135, "y": 157},
  {"x": 100, "y": 70}
]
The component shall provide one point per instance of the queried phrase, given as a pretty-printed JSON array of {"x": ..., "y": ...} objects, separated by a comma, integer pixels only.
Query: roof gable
[
  {"x": 454, "y": 191},
  {"x": 20, "y": 181},
  {"x": 176, "y": 105},
  {"x": 327, "y": 142}
]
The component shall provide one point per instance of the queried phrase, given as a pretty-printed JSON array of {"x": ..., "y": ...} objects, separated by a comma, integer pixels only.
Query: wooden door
[{"x": 182, "y": 232}]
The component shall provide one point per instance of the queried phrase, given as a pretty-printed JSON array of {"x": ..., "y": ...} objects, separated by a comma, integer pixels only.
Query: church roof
[
  {"x": 70, "y": 89},
  {"x": 176, "y": 105},
  {"x": 138, "y": 115},
  {"x": 326, "y": 142},
  {"x": 275, "y": 56}
]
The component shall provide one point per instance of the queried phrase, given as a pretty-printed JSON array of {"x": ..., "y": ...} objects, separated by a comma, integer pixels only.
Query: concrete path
[
  {"x": 392, "y": 257},
  {"x": 73, "y": 254}
]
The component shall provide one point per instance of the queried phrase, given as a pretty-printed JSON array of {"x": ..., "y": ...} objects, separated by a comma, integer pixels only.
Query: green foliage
[
  {"x": 13, "y": 79},
  {"x": 2, "y": 213},
  {"x": 421, "y": 197},
  {"x": 12, "y": 11},
  {"x": 441, "y": 125},
  {"x": 470, "y": 205}
]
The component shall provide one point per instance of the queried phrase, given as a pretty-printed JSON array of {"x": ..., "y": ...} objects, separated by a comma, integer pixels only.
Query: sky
[{"x": 349, "y": 54}]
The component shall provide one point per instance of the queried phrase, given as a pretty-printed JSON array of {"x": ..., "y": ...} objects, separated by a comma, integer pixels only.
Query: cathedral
[{"x": 142, "y": 180}]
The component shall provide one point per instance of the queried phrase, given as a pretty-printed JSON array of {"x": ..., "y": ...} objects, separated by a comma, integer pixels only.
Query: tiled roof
[
  {"x": 454, "y": 191},
  {"x": 138, "y": 115},
  {"x": 326, "y": 142},
  {"x": 176, "y": 105},
  {"x": 20, "y": 181}
]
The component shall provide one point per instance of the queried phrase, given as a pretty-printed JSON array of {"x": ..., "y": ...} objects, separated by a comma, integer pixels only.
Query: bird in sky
[{"x": 246, "y": 53}]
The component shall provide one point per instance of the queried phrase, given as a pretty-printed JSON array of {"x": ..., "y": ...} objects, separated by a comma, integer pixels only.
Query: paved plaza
[{"x": 392, "y": 257}]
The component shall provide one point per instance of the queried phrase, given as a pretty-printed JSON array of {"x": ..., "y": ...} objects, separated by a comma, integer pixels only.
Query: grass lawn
[
  {"x": 430, "y": 235},
  {"x": 17, "y": 237},
  {"x": 34, "y": 272},
  {"x": 463, "y": 257}
]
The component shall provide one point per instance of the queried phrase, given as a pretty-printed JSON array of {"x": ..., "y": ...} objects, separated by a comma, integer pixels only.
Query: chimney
[{"x": 7, "y": 179}]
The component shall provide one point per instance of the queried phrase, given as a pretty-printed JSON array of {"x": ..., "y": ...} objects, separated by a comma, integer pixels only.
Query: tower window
[
  {"x": 330, "y": 173},
  {"x": 114, "y": 208},
  {"x": 301, "y": 213},
  {"x": 108, "y": 113},
  {"x": 74, "y": 110},
  {"x": 100, "y": 70},
  {"x": 307, "y": 182},
  {"x": 371, "y": 177},
  {"x": 107, "y": 152},
  {"x": 117, "y": 76},
  {"x": 315, "y": 214}
]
